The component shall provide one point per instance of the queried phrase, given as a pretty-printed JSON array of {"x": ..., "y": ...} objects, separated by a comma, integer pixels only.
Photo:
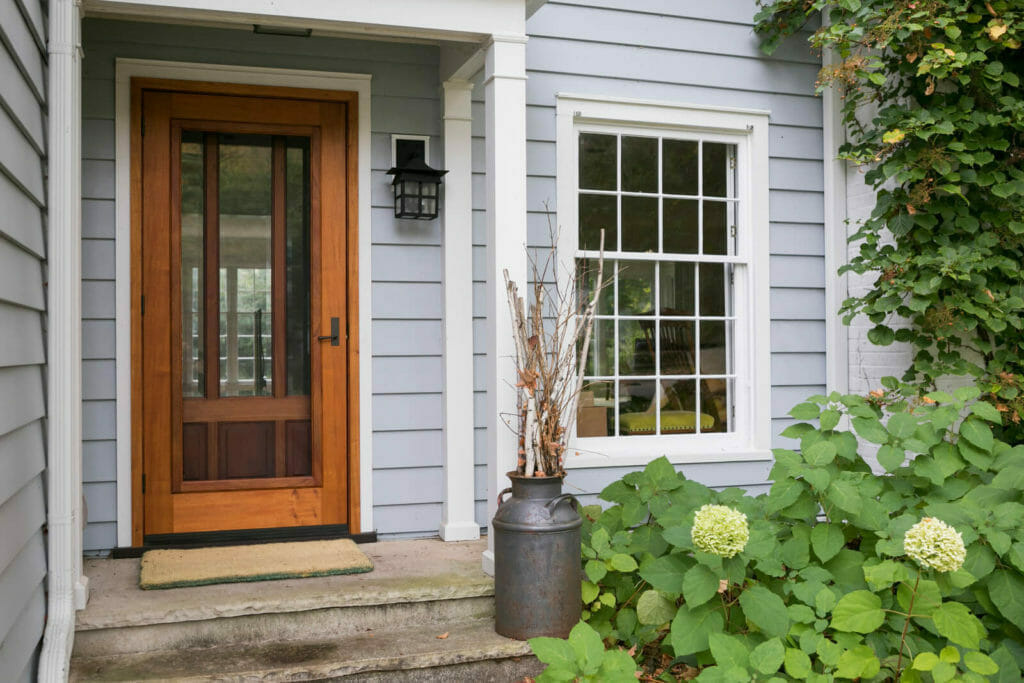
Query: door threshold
[{"x": 206, "y": 539}]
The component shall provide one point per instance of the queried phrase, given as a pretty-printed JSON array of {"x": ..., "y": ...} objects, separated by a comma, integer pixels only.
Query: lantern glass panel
[
  {"x": 430, "y": 207},
  {"x": 429, "y": 189}
]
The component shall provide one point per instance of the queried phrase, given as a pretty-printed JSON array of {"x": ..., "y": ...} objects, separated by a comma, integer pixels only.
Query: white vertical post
[
  {"x": 505, "y": 113},
  {"x": 458, "y": 521},
  {"x": 67, "y": 587}
]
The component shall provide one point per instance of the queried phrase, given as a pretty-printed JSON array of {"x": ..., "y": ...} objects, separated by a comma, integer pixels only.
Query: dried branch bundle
[{"x": 552, "y": 339}]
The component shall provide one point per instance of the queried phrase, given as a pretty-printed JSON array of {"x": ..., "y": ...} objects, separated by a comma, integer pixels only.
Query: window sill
[{"x": 635, "y": 451}]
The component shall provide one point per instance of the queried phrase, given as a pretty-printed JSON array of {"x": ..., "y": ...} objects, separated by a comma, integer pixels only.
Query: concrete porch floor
[{"x": 407, "y": 571}]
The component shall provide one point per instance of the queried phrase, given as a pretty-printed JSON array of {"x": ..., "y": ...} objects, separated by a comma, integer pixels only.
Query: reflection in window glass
[
  {"x": 245, "y": 251},
  {"x": 661, "y": 359},
  {"x": 193, "y": 236},
  {"x": 297, "y": 285}
]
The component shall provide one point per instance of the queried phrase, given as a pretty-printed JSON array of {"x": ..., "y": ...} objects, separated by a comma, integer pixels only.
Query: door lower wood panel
[{"x": 244, "y": 250}]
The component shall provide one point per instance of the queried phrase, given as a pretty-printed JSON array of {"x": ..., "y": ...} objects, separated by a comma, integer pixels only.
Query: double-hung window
[{"x": 678, "y": 363}]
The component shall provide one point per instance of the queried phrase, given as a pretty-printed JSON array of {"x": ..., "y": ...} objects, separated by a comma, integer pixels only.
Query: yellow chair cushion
[{"x": 672, "y": 422}]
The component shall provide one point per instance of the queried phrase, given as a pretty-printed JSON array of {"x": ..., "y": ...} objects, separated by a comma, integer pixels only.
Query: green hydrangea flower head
[
  {"x": 933, "y": 544},
  {"x": 720, "y": 530}
]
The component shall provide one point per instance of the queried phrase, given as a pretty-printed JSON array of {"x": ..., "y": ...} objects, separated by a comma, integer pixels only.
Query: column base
[
  {"x": 487, "y": 557},
  {"x": 459, "y": 531}
]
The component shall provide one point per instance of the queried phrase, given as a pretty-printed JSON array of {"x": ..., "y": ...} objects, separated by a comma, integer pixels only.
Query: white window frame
[{"x": 748, "y": 130}]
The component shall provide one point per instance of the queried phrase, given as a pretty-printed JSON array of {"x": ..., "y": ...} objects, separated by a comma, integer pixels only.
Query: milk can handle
[
  {"x": 554, "y": 502},
  {"x": 500, "y": 495}
]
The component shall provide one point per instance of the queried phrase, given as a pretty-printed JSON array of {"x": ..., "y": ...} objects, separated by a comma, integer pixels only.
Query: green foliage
[
  {"x": 823, "y": 590},
  {"x": 934, "y": 111},
  {"x": 581, "y": 658}
]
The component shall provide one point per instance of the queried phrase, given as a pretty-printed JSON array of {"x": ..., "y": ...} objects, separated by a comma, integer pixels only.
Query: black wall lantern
[{"x": 416, "y": 187}]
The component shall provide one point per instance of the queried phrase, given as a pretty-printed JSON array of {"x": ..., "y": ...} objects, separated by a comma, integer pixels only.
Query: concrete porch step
[
  {"x": 357, "y": 626},
  {"x": 470, "y": 652}
]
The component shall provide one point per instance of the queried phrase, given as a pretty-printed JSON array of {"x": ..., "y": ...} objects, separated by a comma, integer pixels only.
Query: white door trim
[{"x": 126, "y": 69}]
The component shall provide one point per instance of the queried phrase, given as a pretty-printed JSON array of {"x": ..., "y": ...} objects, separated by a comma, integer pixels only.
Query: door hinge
[{"x": 143, "y": 483}]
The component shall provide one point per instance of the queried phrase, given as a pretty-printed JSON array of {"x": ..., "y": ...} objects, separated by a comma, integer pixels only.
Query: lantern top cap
[{"x": 415, "y": 169}]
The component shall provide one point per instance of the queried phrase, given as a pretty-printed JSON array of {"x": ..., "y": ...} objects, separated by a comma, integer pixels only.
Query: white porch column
[
  {"x": 505, "y": 91},
  {"x": 68, "y": 589},
  {"x": 458, "y": 521}
]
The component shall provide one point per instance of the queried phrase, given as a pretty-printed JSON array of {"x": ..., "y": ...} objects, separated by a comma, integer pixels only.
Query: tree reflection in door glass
[{"x": 246, "y": 262}]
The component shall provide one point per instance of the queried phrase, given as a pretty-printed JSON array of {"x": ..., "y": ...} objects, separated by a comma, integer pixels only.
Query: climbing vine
[{"x": 934, "y": 113}]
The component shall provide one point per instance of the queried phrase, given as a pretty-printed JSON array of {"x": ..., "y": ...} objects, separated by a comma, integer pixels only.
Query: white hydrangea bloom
[
  {"x": 720, "y": 530},
  {"x": 933, "y": 544}
]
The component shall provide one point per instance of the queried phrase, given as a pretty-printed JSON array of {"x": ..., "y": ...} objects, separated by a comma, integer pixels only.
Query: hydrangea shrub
[{"x": 914, "y": 573}]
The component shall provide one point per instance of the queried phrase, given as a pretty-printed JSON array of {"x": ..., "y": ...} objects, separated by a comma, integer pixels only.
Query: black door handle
[{"x": 335, "y": 335}]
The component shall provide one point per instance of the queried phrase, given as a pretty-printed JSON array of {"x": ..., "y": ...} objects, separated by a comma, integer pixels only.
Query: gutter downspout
[{"x": 68, "y": 589}]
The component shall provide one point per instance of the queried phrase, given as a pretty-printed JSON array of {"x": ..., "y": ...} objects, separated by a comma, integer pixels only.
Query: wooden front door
[{"x": 245, "y": 280}]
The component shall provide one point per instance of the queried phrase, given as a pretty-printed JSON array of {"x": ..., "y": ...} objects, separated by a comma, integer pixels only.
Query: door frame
[{"x": 235, "y": 80}]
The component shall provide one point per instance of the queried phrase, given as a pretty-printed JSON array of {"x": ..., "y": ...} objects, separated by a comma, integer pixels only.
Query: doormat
[{"x": 263, "y": 562}]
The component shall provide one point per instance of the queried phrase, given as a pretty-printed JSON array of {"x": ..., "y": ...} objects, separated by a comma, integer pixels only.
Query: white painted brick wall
[{"x": 868, "y": 362}]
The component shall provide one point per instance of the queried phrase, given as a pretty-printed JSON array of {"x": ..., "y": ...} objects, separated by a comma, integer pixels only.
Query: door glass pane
[
  {"x": 192, "y": 250},
  {"x": 297, "y": 218},
  {"x": 245, "y": 266}
]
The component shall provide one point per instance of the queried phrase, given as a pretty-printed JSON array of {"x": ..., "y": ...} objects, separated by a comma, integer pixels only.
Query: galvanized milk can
[{"x": 536, "y": 559}]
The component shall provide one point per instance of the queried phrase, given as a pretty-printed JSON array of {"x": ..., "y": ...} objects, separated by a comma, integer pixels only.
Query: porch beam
[
  {"x": 505, "y": 115},
  {"x": 458, "y": 20},
  {"x": 458, "y": 520}
]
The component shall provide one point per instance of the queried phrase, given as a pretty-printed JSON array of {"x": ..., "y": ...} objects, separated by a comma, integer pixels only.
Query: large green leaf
[
  {"x": 978, "y": 433},
  {"x": 859, "y": 612},
  {"x": 691, "y": 628},
  {"x": 956, "y": 622},
  {"x": 1006, "y": 589},
  {"x": 845, "y": 494},
  {"x": 798, "y": 664},
  {"x": 653, "y": 608},
  {"x": 902, "y": 425},
  {"x": 858, "y": 662},
  {"x": 891, "y": 457},
  {"x": 766, "y": 610},
  {"x": 820, "y": 454},
  {"x": 805, "y": 411},
  {"x": 728, "y": 651},
  {"x": 596, "y": 570},
  {"x": 980, "y": 663},
  {"x": 587, "y": 645},
  {"x": 622, "y": 562},
  {"x": 871, "y": 429},
  {"x": 554, "y": 651},
  {"x": 700, "y": 584},
  {"x": 664, "y": 573},
  {"x": 827, "y": 540},
  {"x": 767, "y": 657}
]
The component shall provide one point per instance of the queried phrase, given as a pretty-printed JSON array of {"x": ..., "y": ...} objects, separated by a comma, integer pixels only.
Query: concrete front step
[
  {"x": 382, "y": 625},
  {"x": 471, "y": 651},
  {"x": 413, "y": 582}
]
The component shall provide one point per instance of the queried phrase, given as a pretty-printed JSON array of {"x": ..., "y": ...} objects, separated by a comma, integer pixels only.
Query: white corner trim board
[
  {"x": 126, "y": 69},
  {"x": 747, "y": 129},
  {"x": 67, "y": 590}
]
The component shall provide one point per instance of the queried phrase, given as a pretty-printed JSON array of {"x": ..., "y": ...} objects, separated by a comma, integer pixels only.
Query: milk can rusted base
[{"x": 536, "y": 560}]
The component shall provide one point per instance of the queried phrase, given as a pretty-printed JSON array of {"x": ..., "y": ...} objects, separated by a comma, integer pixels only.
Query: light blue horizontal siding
[
  {"x": 689, "y": 53},
  {"x": 653, "y": 49},
  {"x": 22, "y": 338},
  {"x": 405, "y": 258}
]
